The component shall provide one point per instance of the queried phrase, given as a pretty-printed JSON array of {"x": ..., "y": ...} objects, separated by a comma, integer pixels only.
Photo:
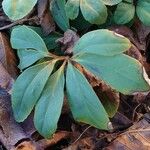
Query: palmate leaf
[
  {"x": 143, "y": 11},
  {"x": 48, "y": 108},
  {"x": 28, "y": 88},
  {"x": 83, "y": 101},
  {"x": 101, "y": 42},
  {"x": 17, "y": 9},
  {"x": 104, "y": 59},
  {"x": 29, "y": 44}
]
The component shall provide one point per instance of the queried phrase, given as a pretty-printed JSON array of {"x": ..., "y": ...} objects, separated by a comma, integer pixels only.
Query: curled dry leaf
[
  {"x": 7, "y": 56},
  {"x": 138, "y": 136},
  {"x": 68, "y": 41}
]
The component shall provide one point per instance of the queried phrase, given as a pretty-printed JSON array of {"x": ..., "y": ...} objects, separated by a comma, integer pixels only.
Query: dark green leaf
[
  {"x": 48, "y": 109},
  {"x": 143, "y": 11},
  {"x": 72, "y": 8},
  {"x": 121, "y": 72},
  {"x": 84, "y": 103},
  {"x": 57, "y": 8},
  {"x": 17, "y": 9},
  {"x": 28, "y": 88},
  {"x": 102, "y": 42},
  {"x": 124, "y": 13}
]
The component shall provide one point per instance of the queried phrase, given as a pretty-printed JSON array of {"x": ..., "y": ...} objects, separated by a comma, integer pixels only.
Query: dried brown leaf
[
  {"x": 138, "y": 136},
  {"x": 7, "y": 56},
  {"x": 10, "y": 131},
  {"x": 6, "y": 81},
  {"x": 68, "y": 41}
]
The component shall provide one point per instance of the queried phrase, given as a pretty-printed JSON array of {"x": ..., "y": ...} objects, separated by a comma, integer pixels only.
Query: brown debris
[
  {"x": 46, "y": 19},
  {"x": 138, "y": 136}
]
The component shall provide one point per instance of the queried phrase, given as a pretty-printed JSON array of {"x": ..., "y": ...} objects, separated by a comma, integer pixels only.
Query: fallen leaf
[
  {"x": 138, "y": 136},
  {"x": 142, "y": 33},
  {"x": 7, "y": 56},
  {"x": 10, "y": 132},
  {"x": 6, "y": 80}
]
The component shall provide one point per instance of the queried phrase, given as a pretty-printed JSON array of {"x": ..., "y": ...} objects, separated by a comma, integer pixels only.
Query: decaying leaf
[
  {"x": 46, "y": 19},
  {"x": 7, "y": 56},
  {"x": 10, "y": 132},
  {"x": 137, "y": 137},
  {"x": 6, "y": 80}
]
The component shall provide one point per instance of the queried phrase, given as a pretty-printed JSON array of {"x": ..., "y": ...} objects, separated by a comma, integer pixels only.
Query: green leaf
[
  {"x": 28, "y": 88},
  {"x": 93, "y": 11},
  {"x": 101, "y": 42},
  {"x": 57, "y": 8},
  {"x": 48, "y": 108},
  {"x": 111, "y": 2},
  {"x": 28, "y": 57},
  {"x": 121, "y": 72},
  {"x": 124, "y": 13},
  {"x": 23, "y": 37},
  {"x": 128, "y": 1},
  {"x": 84, "y": 103},
  {"x": 17, "y": 9},
  {"x": 72, "y": 8},
  {"x": 50, "y": 40},
  {"x": 143, "y": 11}
]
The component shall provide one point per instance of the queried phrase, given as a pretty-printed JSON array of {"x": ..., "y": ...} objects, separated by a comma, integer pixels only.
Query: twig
[
  {"x": 18, "y": 22},
  {"x": 81, "y": 134}
]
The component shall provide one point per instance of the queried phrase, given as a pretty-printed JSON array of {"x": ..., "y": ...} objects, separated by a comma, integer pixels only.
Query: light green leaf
[
  {"x": 28, "y": 88},
  {"x": 17, "y": 9},
  {"x": 143, "y": 11},
  {"x": 111, "y": 2},
  {"x": 101, "y": 42},
  {"x": 29, "y": 56},
  {"x": 72, "y": 8},
  {"x": 124, "y": 13},
  {"x": 94, "y": 11},
  {"x": 121, "y": 72},
  {"x": 57, "y": 8},
  {"x": 48, "y": 109},
  {"x": 23, "y": 37},
  {"x": 84, "y": 103}
]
